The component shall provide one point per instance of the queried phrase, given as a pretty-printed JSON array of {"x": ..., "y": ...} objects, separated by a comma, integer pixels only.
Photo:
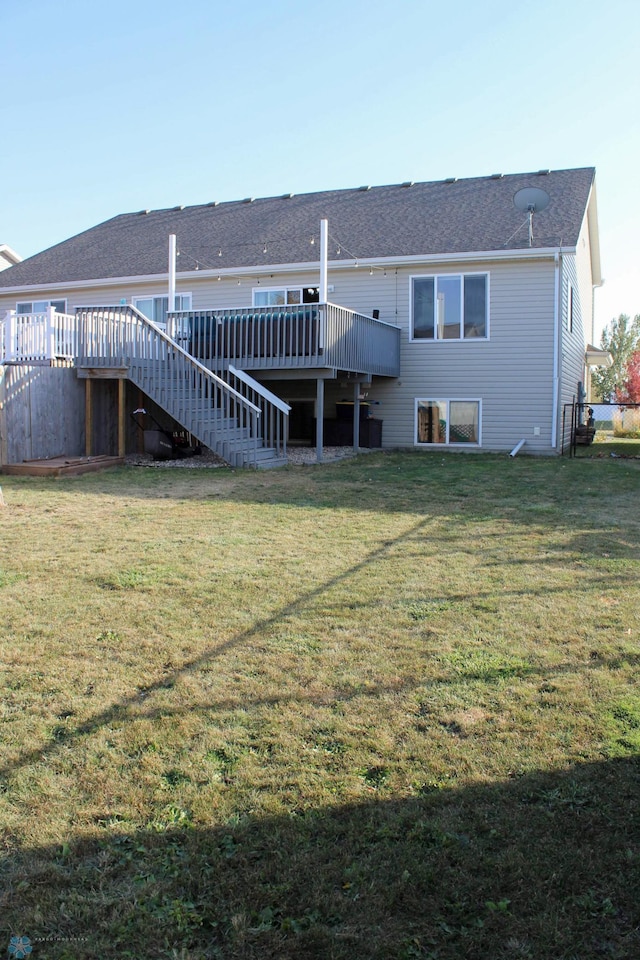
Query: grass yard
[
  {"x": 385, "y": 708},
  {"x": 606, "y": 445}
]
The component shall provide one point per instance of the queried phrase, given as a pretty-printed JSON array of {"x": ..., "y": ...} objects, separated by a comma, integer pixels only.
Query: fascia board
[
  {"x": 535, "y": 253},
  {"x": 594, "y": 237},
  {"x": 9, "y": 254}
]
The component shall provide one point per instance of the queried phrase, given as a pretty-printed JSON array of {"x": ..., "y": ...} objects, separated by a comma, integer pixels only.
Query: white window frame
[
  {"x": 162, "y": 296},
  {"x": 45, "y": 304},
  {"x": 422, "y": 445},
  {"x": 444, "y": 276},
  {"x": 299, "y": 288},
  {"x": 570, "y": 307}
]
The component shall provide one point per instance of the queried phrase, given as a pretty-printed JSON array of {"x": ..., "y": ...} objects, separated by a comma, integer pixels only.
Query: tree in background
[
  {"x": 621, "y": 338},
  {"x": 629, "y": 392}
]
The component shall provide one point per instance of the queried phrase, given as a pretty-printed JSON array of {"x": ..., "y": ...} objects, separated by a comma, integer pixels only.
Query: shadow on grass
[
  {"x": 545, "y": 866},
  {"x": 137, "y": 704}
]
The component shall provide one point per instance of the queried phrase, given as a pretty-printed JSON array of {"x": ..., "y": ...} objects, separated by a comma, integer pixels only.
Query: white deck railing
[{"x": 29, "y": 337}]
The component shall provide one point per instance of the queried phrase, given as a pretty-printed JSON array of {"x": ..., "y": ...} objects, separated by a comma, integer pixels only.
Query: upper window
[
  {"x": 450, "y": 307},
  {"x": 40, "y": 306},
  {"x": 570, "y": 308},
  {"x": 155, "y": 308},
  {"x": 282, "y": 296}
]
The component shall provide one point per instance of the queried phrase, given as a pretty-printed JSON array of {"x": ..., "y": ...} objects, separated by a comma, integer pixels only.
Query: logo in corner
[{"x": 20, "y": 947}]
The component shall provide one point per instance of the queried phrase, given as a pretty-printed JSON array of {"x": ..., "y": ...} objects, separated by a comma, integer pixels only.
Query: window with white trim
[
  {"x": 450, "y": 307},
  {"x": 41, "y": 306},
  {"x": 284, "y": 296},
  {"x": 155, "y": 308},
  {"x": 447, "y": 422},
  {"x": 570, "y": 308}
]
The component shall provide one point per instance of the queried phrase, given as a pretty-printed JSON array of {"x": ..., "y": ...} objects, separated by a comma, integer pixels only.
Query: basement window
[{"x": 447, "y": 422}]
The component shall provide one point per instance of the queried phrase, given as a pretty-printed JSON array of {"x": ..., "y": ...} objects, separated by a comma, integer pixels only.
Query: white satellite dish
[{"x": 531, "y": 200}]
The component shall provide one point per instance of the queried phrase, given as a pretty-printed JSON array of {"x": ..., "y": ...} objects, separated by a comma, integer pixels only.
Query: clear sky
[{"x": 110, "y": 106}]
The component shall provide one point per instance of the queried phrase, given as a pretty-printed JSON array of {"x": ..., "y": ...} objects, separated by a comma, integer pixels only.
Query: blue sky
[{"x": 109, "y": 107}]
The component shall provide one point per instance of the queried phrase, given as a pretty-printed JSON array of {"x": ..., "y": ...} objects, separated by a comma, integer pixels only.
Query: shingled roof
[{"x": 403, "y": 220}]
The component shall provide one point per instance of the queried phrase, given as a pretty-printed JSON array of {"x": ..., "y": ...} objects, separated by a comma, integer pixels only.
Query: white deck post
[
  {"x": 50, "y": 334},
  {"x": 9, "y": 335},
  {"x": 324, "y": 260},
  {"x": 171, "y": 304}
]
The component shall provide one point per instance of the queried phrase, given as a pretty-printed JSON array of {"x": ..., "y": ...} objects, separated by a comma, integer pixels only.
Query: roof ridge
[{"x": 179, "y": 208}]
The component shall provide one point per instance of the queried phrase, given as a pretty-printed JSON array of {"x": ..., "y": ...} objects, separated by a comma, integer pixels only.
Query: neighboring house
[
  {"x": 8, "y": 257},
  {"x": 458, "y": 311}
]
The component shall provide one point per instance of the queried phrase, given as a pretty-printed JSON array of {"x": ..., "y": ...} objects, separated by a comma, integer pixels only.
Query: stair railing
[{"x": 217, "y": 414}]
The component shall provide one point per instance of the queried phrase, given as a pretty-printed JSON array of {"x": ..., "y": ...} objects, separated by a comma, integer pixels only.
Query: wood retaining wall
[
  {"x": 43, "y": 414},
  {"x": 41, "y": 411}
]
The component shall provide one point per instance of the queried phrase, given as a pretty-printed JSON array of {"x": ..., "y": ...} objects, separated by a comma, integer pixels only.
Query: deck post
[
  {"x": 324, "y": 260},
  {"x": 171, "y": 304},
  {"x": 50, "y": 334},
  {"x": 356, "y": 417},
  {"x": 88, "y": 417},
  {"x": 319, "y": 418},
  {"x": 121, "y": 420},
  {"x": 4, "y": 446},
  {"x": 10, "y": 337}
]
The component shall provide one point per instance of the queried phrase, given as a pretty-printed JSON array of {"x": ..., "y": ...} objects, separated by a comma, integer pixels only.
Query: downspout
[{"x": 556, "y": 353}]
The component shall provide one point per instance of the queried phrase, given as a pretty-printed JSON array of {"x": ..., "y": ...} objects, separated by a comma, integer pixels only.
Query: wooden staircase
[{"x": 244, "y": 424}]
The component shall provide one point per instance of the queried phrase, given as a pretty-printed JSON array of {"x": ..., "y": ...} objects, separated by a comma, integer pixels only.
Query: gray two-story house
[{"x": 451, "y": 315}]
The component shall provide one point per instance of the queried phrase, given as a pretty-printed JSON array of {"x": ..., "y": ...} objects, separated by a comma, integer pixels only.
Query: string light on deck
[{"x": 340, "y": 248}]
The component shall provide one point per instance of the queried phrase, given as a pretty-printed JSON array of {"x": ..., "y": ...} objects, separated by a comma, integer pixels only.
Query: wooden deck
[{"x": 61, "y": 466}]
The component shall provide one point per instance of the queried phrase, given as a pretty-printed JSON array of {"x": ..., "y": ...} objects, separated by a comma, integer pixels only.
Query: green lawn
[{"x": 384, "y": 708}]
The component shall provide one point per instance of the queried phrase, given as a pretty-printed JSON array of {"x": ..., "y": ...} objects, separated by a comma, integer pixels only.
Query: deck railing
[
  {"x": 30, "y": 337},
  {"x": 273, "y": 410},
  {"x": 305, "y": 335},
  {"x": 221, "y": 417}
]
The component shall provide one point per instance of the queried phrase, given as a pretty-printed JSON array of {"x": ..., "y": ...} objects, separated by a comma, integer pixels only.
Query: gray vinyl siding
[
  {"x": 572, "y": 340},
  {"x": 510, "y": 373},
  {"x": 576, "y": 274}
]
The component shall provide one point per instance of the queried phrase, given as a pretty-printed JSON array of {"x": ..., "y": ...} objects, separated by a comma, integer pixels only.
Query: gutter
[{"x": 541, "y": 253}]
